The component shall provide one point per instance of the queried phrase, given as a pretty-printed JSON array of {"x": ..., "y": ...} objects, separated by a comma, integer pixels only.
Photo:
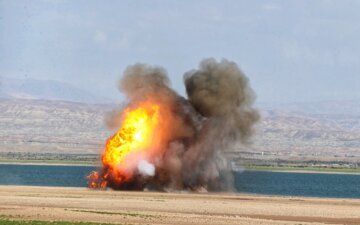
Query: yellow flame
[{"x": 135, "y": 134}]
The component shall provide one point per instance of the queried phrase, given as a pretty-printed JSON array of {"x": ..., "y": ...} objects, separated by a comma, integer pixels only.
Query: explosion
[
  {"x": 135, "y": 135},
  {"x": 166, "y": 142},
  {"x": 132, "y": 139}
]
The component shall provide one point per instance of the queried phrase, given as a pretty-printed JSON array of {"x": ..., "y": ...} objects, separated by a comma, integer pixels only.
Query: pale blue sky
[{"x": 291, "y": 50}]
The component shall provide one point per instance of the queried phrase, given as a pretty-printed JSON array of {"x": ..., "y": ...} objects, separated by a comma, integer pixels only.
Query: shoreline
[
  {"x": 263, "y": 169},
  {"x": 185, "y": 192},
  {"x": 47, "y": 164},
  {"x": 304, "y": 171}
]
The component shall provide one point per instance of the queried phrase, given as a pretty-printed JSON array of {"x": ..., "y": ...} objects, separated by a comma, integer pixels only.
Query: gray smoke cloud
[
  {"x": 141, "y": 81},
  {"x": 217, "y": 114},
  {"x": 220, "y": 90}
]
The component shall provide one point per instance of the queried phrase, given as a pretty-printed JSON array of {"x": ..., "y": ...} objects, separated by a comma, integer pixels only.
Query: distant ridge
[
  {"x": 331, "y": 107},
  {"x": 11, "y": 88},
  {"x": 80, "y": 128}
]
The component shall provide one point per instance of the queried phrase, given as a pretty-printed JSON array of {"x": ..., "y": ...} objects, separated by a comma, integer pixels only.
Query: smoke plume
[
  {"x": 185, "y": 148},
  {"x": 221, "y": 91}
]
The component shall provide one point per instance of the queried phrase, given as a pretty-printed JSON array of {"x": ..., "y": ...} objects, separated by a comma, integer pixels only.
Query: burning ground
[{"x": 167, "y": 142}]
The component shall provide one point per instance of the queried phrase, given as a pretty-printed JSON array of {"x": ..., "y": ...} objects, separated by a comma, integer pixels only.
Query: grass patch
[
  {"x": 304, "y": 168},
  {"x": 4, "y": 221},
  {"x": 38, "y": 195},
  {"x": 143, "y": 216},
  {"x": 65, "y": 162},
  {"x": 154, "y": 200}
]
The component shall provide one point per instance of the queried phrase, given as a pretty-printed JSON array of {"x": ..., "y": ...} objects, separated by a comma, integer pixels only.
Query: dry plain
[{"x": 81, "y": 204}]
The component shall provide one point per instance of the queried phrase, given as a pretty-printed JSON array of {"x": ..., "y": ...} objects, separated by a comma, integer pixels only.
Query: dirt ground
[{"x": 80, "y": 204}]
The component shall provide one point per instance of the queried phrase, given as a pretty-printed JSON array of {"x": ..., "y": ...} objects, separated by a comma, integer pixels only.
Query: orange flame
[
  {"x": 96, "y": 181},
  {"x": 135, "y": 134},
  {"x": 135, "y": 137}
]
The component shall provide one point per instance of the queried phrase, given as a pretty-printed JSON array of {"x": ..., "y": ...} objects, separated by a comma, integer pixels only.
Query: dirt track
[{"x": 80, "y": 204}]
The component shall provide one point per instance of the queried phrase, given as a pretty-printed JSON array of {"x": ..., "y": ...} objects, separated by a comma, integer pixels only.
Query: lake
[{"x": 255, "y": 182}]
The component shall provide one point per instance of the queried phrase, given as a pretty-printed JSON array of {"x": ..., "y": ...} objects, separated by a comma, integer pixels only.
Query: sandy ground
[{"x": 80, "y": 204}]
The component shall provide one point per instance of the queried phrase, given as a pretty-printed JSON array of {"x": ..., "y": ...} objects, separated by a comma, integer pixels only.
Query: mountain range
[
  {"x": 28, "y": 88},
  {"x": 55, "y": 117},
  {"x": 46, "y": 126}
]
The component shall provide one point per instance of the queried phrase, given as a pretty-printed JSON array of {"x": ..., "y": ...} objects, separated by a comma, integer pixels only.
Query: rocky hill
[
  {"x": 42, "y": 126},
  {"x": 306, "y": 137},
  {"x": 51, "y": 126}
]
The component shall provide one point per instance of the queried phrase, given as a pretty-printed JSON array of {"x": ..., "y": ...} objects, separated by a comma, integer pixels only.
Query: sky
[{"x": 292, "y": 51}]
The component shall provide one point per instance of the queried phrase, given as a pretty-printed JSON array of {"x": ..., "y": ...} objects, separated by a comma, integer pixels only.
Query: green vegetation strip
[
  {"x": 304, "y": 168},
  {"x": 64, "y": 162},
  {"x": 117, "y": 213},
  {"x": 37, "y": 222}
]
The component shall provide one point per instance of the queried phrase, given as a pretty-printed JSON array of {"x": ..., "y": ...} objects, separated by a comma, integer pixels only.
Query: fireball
[{"x": 134, "y": 141}]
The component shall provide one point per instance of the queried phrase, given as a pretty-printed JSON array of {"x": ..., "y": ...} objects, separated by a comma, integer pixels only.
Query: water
[
  {"x": 256, "y": 182},
  {"x": 299, "y": 184},
  {"x": 39, "y": 175}
]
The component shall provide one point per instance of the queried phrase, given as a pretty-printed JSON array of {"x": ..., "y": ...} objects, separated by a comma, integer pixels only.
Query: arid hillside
[
  {"x": 57, "y": 127},
  {"x": 51, "y": 126},
  {"x": 297, "y": 136}
]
